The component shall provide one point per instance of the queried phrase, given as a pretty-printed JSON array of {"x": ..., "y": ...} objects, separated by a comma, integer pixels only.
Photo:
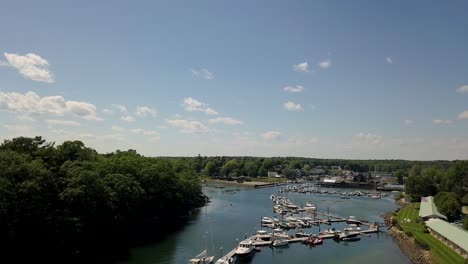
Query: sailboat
[{"x": 202, "y": 258}]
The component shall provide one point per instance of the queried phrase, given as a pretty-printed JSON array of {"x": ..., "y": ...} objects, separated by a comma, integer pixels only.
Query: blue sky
[{"x": 326, "y": 79}]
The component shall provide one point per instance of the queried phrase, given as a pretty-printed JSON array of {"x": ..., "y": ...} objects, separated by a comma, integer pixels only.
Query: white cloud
[
  {"x": 155, "y": 139},
  {"x": 62, "y": 122},
  {"x": 313, "y": 140},
  {"x": 202, "y": 73},
  {"x": 117, "y": 128},
  {"x": 125, "y": 114},
  {"x": 114, "y": 137},
  {"x": 127, "y": 118},
  {"x": 368, "y": 138},
  {"x": 188, "y": 126},
  {"x": 463, "y": 89},
  {"x": 225, "y": 120},
  {"x": 31, "y": 66},
  {"x": 143, "y": 132},
  {"x": 301, "y": 67},
  {"x": 389, "y": 60},
  {"x": 192, "y": 104},
  {"x": 294, "y": 89},
  {"x": 271, "y": 135},
  {"x": 291, "y": 106},
  {"x": 463, "y": 115},
  {"x": 442, "y": 122},
  {"x": 325, "y": 64},
  {"x": 18, "y": 129},
  {"x": 32, "y": 103},
  {"x": 143, "y": 111},
  {"x": 107, "y": 111},
  {"x": 408, "y": 122},
  {"x": 25, "y": 118}
]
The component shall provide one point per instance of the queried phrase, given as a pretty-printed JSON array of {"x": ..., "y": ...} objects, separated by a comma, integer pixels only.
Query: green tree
[
  {"x": 211, "y": 168},
  {"x": 251, "y": 168},
  {"x": 230, "y": 167}
]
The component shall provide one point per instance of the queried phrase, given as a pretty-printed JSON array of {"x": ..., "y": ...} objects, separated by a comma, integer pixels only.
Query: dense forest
[{"x": 69, "y": 202}]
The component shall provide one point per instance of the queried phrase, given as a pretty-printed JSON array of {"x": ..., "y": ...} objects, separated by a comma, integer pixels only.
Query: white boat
[
  {"x": 202, "y": 258},
  {"x": 348, "y": 236},
  {"x": 263, "y": 235},
  {"x": 352, "y": 227},
  {"x": 279, "y": 242},
  {"x": 310, "y": 207},
  {"x": 245, "y": 249},
  {"x": 278, "y": 233}
]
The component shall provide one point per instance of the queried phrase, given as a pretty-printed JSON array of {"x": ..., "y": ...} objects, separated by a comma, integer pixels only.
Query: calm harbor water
[{"x": 236, "y": 211}]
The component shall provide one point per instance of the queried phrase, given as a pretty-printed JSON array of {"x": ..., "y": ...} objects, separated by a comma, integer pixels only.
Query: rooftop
[
  {"x": 428, "y": 208},
  {"x": 455, "y": 234}
]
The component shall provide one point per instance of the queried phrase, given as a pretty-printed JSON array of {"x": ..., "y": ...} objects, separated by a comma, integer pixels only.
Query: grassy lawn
[{"x": 440, "y": 252}]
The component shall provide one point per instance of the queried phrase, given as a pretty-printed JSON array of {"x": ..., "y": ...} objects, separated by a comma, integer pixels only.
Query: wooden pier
[{"x": 262, "y": 243}]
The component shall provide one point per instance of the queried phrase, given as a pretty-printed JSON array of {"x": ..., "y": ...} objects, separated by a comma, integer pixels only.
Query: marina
[
  {"x": 235, "y": 214},
  {"x": 262, "y": 238}
]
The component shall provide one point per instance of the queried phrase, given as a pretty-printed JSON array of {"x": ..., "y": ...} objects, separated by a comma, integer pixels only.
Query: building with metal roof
[
  {"x": 428, "y": 209},
  {"x": 454, "y": 237}
]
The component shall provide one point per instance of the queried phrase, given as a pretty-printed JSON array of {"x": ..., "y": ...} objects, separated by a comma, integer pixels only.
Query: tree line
[{"x": 67, "y": 202}]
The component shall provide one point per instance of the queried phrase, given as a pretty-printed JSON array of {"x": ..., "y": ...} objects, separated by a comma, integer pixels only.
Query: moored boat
[
  {"x": 245, "y": 249},
  {"x": 280, "y": 242},
  {"x": 202, "y": 258}
]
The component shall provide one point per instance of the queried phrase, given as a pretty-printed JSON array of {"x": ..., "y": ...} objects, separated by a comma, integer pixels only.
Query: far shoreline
[{"x": 250, "y": 184}]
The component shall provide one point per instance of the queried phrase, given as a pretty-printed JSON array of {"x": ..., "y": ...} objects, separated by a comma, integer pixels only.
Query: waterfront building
[
  {"x": 451, "y": 235},
  {"x": 428, "y": 209}
]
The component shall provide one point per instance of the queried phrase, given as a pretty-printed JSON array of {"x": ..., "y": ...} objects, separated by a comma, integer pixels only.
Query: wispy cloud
[
  {"x": 192, "y": 104},
  {"x": 325, "y": 64},
  {"x": 127, "y": 118},
  {"x": 462, "y": 89},
  {"x": 31, "y": 66},
  {"x": 143, "y": 111},
  {"x": 117, "y": 128},
  {"x": 18, "y": 129},
  {"x": 188, "y": 126},
  {"x": 30, "y": 102},
  {"x": 143, "y": 132},
  {"x": 62, "y": 122},
  {"x": 294, "y": 89},
  {"x": 271, "y": 135},
  {"x": 368, "y": 138},
  {"x": 202, "y": 73},
  {"x": 301, "y": 67},
  {"x": 389, "y": 60},
  {"x": 408, "y": 122},
  {"x": 25, "y": 118},
  {"x": 463, "y": 115},
  {"x": 442, "y": 122},
  {"x": 225, "y": 120},
  {"x": 291, "y": 106}
]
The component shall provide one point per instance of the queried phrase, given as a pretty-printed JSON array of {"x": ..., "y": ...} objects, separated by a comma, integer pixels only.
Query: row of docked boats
[{"x": 307, "y": 188}]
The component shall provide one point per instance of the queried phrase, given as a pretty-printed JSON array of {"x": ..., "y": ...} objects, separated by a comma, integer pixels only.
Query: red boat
[{"x": 313, "y": 241}]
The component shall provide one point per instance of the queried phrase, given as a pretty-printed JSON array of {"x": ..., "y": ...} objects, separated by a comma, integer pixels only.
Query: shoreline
[
  {"x": 406, "y": 244},
  {"x": 251, "y": 184}
]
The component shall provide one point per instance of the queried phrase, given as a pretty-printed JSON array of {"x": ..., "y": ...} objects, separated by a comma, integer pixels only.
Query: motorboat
[
  {"x": 352, "y": 220},
  {"x": 348, "y": 236},
  {"x": 302, "y": 234},
  {"x": 202, "y": 258},
  {"x": 352, "y": 227},
  {"x": 314, "y": 241},
  {"x": 280, "y": 242},
  {"x": 278, "y": 233},
  {"x": 245, "y": 249},
  {"x": 263, "y": 235}
]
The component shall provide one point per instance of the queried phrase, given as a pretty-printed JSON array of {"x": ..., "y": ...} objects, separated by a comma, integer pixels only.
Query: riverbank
[
  {"x": 415, "y": 241},
  {"x": 252, "y": 184},
  {"x": 407, "y": 244}
]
